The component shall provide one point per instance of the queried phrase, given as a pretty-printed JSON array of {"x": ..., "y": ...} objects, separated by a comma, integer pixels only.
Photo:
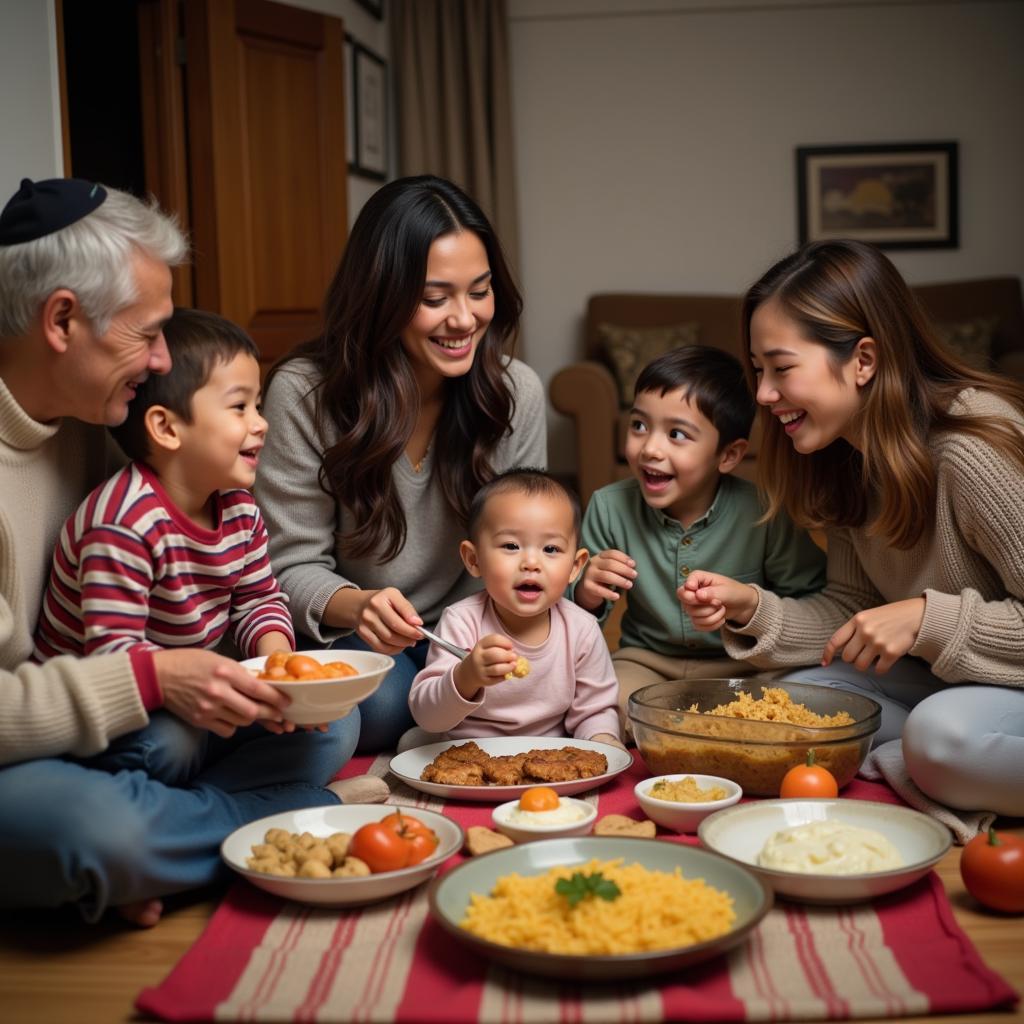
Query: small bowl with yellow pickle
[
  {"x": 323, "y": 685},
  {"x": 681, "y": 802}
]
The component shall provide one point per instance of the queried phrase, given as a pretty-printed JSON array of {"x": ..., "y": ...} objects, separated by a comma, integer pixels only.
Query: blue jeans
[
  {"x": 385, "y": 715},
  {"x": 146, "y": 817}
]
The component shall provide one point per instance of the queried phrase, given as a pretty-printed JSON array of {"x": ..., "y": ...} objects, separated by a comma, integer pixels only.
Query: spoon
[{"x": 459, "y": 652}]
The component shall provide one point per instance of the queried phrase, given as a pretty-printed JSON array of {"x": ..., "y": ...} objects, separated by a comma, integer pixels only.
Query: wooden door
[{"x": 263, "y": 105}]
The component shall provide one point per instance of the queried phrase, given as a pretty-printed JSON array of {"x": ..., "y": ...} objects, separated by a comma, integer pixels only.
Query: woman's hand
[
  {"x": 710, "y": 600},
  {"x": 879, "y": 636},
  {"x": 216, "y": 693},
  {"x": 384, "y": 619},
  {"x": 488, "y": 663},
  {"x": 605, "y": 576}
]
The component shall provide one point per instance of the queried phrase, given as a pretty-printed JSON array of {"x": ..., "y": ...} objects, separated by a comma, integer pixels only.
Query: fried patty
[{"x": 465, "y": 764}]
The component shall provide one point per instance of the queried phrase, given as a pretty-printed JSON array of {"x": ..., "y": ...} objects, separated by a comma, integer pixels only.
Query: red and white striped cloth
[{"x": 264, "y": 959}]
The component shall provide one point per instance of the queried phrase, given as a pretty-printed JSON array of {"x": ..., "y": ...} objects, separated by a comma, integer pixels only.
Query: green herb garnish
[{"x": 580, "y": 886}]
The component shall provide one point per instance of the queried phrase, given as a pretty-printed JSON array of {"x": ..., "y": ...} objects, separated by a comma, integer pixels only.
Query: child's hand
[
  {"x": 604, "y": 573},
  {"x": 488, "y": 663},
  {"x": 710, "y": 600},
  {"x": 270, "y": 642},
  {"x": 607, "y": 737}
]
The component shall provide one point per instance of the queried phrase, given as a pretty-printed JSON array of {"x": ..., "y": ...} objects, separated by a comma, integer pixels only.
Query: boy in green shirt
[{"x": 682, "y": 507}]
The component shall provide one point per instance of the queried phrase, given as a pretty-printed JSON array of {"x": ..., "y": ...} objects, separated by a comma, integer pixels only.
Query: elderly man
[{"x": 106, "y": 798}]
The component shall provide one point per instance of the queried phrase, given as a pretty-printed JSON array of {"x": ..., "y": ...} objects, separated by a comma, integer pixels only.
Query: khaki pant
[{"x": 636, "y": 668}]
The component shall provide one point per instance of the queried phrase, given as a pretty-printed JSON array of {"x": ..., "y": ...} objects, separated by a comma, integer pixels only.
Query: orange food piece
[
  {"x": 286, "y": 667},
  {"x": 539, "y": 798}
]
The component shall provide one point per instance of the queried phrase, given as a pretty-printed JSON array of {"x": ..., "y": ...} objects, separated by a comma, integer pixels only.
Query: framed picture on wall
[
  {"x": 896, "y": 196},
  {"x": 350, "y": 105},
  {"x": 375, "y": 7},
  {"x": 369, "y": 112}
]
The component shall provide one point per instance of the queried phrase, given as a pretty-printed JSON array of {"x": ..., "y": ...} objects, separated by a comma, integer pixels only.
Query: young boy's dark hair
[
  {"x": 528, "y": 481},
  {"x": 714, "y": 380},
  {"x": 197, "y": 341}
]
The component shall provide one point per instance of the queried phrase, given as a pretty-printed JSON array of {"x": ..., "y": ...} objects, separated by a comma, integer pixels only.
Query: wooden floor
[{"x": 55, "y": 970}]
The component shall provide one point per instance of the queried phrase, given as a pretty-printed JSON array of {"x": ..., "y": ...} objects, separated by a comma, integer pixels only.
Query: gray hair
[{"x": 91, "y": 257}]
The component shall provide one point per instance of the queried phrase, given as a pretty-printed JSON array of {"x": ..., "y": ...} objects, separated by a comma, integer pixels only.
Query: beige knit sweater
[
  {"x": 969, "y": 568},
  {"x": 67, "y": 706}
]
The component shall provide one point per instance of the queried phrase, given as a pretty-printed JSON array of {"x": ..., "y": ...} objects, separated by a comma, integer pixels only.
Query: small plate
[
  {"x": 314, "y": 701},
  {"x": 322, "y": 821},
  {"x": 450, "y": 893},
  {"x": 677, "y": 815},
  {"x": 525, "y": 832},
  {"x": 408, "y": 766},
  {"x": 740, "y": 832}
]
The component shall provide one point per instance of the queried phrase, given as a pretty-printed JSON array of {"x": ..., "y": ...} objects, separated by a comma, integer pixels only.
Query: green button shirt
[{"x": 727, "y": 539}]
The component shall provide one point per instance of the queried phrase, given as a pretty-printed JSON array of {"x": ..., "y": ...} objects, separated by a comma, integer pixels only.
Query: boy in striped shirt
[{"x": 172, "y": 550}]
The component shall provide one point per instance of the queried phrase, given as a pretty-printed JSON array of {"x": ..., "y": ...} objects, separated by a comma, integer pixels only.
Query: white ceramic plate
[
  {"x": 323, "y": 700},
  {"x": 408, "y": 766},
  {"x": 525, "y": 832},
  {"x": 322, "y": 821},
  {"x": 740, "y": 832},
  {"x": 450, "y": 893}
]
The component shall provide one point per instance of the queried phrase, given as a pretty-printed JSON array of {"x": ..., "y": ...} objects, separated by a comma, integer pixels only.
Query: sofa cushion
[
  {"x": 970, "y": 340},
  {"x": 630, "y": 349}
]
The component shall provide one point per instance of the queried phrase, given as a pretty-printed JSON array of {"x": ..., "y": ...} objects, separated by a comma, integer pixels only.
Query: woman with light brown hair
[{"x": 913, "y": 465}]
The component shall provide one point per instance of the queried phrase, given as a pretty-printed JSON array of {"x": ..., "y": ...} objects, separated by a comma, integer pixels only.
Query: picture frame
[
  {"x": 374, "y": 7},
  {"x": 895, "y": 196},
  {"x": 369, "y": 113},
  {"x": 350, "y": 105}
]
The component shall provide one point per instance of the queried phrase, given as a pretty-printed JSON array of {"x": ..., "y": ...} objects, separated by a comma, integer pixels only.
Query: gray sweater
[{"x": 305, "y": 524}]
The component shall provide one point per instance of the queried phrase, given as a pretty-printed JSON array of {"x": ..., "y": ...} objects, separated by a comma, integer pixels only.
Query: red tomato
[
  {"x": 992, "y": 867},
  {"x": 808, "y": 780},
  {"x": 381, "y": 847},
  {"x": 421, "y": 839}
]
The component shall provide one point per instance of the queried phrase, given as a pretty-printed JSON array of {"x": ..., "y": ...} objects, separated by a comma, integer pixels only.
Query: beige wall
[{"x": 655, "y": 139}]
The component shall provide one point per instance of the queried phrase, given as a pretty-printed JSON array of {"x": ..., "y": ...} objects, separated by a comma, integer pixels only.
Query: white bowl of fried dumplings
[{"x": 316, "y": 701}]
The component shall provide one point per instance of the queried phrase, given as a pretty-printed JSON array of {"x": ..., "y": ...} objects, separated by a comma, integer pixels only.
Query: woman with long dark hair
[
  {"x": 384, "y": 427},
  {"x": 913, "y": 465}
]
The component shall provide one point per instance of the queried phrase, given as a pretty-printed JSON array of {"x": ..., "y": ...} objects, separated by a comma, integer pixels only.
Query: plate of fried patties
[{"x": 501, "y": 768}]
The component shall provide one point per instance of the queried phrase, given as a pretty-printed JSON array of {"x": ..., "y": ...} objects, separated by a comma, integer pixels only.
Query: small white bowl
[
  {"x": 684, "y": 817},
  {"x": 315, "y": 701},
  {"x": 322, "y": 821},
  {"x": 523, "y": 832},
  {"x": 740, "y": 832}
]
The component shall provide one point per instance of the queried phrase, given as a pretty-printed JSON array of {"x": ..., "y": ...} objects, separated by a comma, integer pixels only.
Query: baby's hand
[
  {"x": 488, "y": 663},
  {"x": 607, "y": 737},
  {"x": 710, "y": 599},
  {"x": 605, "y": 576}
]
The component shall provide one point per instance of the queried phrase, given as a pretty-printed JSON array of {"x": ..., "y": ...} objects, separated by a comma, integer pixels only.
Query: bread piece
[
  {"x": 482, "y": 840},
  {"x": 621, "y": 825}
]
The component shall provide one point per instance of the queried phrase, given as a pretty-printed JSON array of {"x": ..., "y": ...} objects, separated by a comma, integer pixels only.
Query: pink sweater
[{"x": 571, "y": 688}]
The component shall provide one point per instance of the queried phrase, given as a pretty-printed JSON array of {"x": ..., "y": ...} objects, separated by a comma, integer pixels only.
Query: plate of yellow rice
[{"x": 599, "y": 908}]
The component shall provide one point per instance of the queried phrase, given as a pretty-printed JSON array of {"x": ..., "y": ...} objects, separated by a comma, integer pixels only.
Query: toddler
[{"x": 523, "y": 543}]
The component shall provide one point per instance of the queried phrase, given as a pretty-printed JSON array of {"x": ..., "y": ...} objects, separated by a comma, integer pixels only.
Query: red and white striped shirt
[{"x": 131, "y": 571}]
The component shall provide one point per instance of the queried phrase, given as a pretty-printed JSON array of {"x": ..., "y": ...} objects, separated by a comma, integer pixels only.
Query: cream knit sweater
[
  {"x": 67, "y": 706},
  {"x": 969, "y": 568}
]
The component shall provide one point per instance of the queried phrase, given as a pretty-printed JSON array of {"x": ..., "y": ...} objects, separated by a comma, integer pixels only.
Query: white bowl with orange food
[
  {"x": 682, "y": 802},
  {"x": 323, "y": 685},
  {"x": 541, "y": 813}
]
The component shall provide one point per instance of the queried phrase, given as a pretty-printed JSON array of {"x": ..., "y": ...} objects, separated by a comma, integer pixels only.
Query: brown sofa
[{"x": 588, "y": 392}]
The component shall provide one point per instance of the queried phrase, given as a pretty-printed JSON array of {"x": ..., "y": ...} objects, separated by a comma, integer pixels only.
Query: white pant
[{"x": 963, "y": 744}]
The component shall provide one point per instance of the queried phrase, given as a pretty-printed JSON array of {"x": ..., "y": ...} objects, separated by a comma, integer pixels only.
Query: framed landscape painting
[{"x": 894, "y": 196}]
